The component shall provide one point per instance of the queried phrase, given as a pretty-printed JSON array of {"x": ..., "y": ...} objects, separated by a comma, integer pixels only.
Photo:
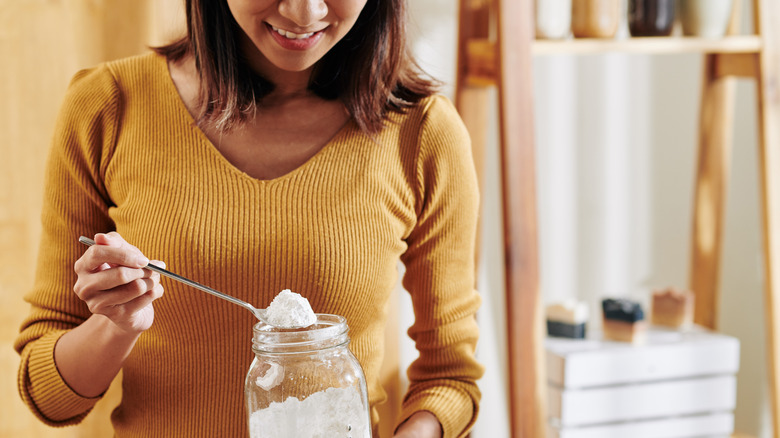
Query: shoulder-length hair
[{"x": 371, "y": 70}]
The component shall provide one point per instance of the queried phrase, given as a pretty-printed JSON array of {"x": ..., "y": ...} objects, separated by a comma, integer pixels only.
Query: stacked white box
[{"x": 675, "y": 385}]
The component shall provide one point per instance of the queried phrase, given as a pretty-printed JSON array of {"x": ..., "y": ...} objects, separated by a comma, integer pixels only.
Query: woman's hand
[
  {"x": 421, "y": 424},
  {"x": 119, "y": 294},
  {"x": 112, "y": 283}
]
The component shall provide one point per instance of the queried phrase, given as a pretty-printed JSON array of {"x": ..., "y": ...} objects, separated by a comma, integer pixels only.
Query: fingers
[
  {"x": 144, "y": 300},
  {"x": 113, "y": 239},
  {"x": 116, "y": 285},
  {"x": 112, "y": 281},
  {"x": 129, "y": 310},
  {"x": 123, "y": 302},
  {"x": 100, "y": 301},
  {"x": 110, "y": 249},
  {"x": 89, "y": 285},
  {"x": 110, "y": 274}
]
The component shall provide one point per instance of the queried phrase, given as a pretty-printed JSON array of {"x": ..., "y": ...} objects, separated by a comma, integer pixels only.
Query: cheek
[
  {"x": 249, "y": 14},
  {"x": 348, "y": 10},
  {"x": 358, "y": 5},
  {"x": 348, "y": 15}
]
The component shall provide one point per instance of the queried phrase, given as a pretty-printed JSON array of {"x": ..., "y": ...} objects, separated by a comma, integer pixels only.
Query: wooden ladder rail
[
  {"x": 714, "y": 154},
  {"x": 767, "y": 17},
  {"x": 510, "y": 69}
]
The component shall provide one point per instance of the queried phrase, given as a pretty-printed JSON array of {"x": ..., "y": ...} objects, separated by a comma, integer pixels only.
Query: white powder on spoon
[{"x": 290, "y": 310}]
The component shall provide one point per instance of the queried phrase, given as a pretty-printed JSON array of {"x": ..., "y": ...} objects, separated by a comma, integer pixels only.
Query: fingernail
[{"x": 141, "y": 260}]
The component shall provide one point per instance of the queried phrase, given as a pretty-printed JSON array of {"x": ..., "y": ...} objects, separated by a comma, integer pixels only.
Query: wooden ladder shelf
[{"x": 495, "y": 48}]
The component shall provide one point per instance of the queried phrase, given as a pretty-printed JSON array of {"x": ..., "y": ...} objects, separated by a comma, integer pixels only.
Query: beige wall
[{"x": 42, "y": 44}]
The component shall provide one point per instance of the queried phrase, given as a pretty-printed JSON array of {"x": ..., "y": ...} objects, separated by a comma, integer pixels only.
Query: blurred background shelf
[
  {"x": 649, "y": 45},
  {"x": 496, "y": 47}
]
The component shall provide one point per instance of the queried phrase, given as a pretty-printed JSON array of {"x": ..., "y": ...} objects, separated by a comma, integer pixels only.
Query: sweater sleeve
[
  {"x": 440, "y": 275},
  {"x": 75, "y": 203}
]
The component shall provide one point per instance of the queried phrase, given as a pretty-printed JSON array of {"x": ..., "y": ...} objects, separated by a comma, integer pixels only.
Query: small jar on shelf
[
  {"x": 648, "y": 18},
  {"x": 705, "y": 18},
  {"x": 595, "y": 18},
  {"x": 553, "y": 19}
]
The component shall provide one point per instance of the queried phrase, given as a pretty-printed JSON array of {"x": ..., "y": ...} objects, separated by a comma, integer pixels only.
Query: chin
[{"x": 294, "y": 67}]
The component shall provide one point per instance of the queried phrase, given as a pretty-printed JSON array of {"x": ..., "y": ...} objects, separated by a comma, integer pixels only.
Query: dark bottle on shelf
[{"x": 650, "y": 17}]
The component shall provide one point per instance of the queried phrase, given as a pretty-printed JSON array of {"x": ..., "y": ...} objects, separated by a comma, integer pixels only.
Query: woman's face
[{"x": 292, "y": 35}]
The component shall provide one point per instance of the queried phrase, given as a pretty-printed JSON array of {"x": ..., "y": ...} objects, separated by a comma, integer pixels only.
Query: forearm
[{"x": 91, "y": 355}]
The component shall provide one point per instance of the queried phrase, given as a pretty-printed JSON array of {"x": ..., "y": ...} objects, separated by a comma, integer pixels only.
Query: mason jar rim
[{"x": 327, "y": 331}]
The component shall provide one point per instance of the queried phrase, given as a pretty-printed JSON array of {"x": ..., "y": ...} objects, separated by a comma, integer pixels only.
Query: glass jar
[{"x": 306, "y": 383}]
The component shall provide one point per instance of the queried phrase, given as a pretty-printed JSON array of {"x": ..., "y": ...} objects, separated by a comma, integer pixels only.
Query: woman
[{"x": 280, "y": 144}]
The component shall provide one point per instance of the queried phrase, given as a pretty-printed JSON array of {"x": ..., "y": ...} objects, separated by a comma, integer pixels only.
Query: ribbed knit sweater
[{"x": 127, "y": 156}]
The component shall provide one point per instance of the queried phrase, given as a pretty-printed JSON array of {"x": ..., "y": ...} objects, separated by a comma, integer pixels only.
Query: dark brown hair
[{"x": 371, "y": 69}]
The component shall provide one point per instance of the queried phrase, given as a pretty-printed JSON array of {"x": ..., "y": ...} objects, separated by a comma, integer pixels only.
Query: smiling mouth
[{"x": 292, "y": 35}]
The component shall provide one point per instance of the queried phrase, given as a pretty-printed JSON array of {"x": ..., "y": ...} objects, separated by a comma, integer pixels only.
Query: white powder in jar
[
  {"x": 332, "y": 413},
  {"x": 271, "y": 377},
  {"x": 290, "y": 310}
]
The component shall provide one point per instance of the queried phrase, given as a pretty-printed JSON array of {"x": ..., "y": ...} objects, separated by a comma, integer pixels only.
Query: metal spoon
[{"x": 259, "y": 313}]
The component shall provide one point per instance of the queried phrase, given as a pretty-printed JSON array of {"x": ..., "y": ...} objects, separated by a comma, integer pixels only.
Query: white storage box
[
  {"x": 719, "y": 425},
  {"x": 576, "y": 407},
  {"x": 676, "y": 384},
  {"x": 666, "y": 354}
]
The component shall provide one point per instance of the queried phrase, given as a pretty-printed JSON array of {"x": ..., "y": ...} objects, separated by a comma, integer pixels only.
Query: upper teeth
[{"x": 290, "y": 35}]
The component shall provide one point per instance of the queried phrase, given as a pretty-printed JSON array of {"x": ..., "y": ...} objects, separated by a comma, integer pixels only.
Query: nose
[{"x": 303, "y": 13}]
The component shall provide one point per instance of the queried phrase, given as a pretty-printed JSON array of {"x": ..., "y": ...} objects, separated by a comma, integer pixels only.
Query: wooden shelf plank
[
  {"x": 481, "y": 60},
  {"x": 649, "y": 45}
]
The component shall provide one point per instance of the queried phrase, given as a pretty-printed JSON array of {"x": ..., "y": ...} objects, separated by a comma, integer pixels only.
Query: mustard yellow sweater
[{"x": 126, "y": 156}]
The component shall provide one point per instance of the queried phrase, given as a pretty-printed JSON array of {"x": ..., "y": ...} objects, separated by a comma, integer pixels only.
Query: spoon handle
[{"x": 89, "y": 242}]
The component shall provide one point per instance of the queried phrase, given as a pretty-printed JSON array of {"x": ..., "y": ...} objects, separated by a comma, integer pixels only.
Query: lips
[
  {"x": 290, "y": 35},
  {"x": 294, "y": 41}
]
